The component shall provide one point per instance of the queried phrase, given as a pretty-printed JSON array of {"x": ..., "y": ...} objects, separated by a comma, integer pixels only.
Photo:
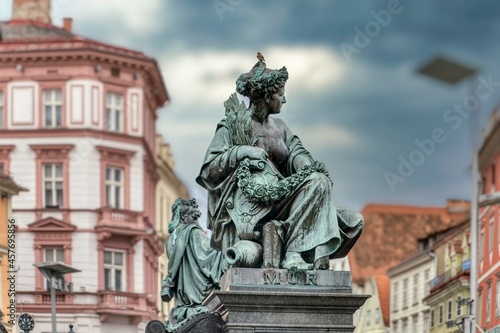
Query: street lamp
[
  {"x": 54, "y": 272},
  {"x": 452, "y": 72}
]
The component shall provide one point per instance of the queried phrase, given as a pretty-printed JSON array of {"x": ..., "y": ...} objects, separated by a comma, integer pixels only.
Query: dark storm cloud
[{"x": 381, "y": 101}]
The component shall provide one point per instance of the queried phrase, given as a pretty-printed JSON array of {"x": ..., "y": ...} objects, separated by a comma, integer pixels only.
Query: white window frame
[
  {"x": 52, "y": 103},
  {"x": 414, "y": 324},
  {"x": 54, "y": 251},
  {"x": 395, "y": 326},
  {"x": 113, "y": 268},
  {"x": 377, "y": 316},
  {"x": 111, "y": 186},
  {"x": 427, "y": 276},
  {"x": 405, "y": 293},
  {"x": 433, "y": 318},
  {"x": 2, "y": 108},
  {"x": 426, "y": 322},
  {"x": 368, "y": 317},
  {"x": 114, "y": 109},
  {"x": 441, "y": 314},
  {"x": 449, "y": 314},
  {"x": 404, "y": 328},
  {"x": 54, "y": 181},
  {"x": 395, "y": 296},
  {"x": 415, "y": 289}
]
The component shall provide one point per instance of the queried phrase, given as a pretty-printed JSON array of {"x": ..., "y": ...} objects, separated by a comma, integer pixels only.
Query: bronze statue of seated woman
[{"x": 266, "y": 190}]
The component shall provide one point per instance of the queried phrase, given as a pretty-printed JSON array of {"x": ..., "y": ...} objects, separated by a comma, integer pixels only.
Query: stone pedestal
[{"x": 277, "y": 300}]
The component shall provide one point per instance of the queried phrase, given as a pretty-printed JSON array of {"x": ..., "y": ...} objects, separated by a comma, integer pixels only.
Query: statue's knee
[{"x": 319, "y": 180}]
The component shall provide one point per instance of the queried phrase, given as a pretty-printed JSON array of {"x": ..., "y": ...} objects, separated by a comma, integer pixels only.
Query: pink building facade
[
  {"x": 488, "y": 297},
  {"x": 77, "y": 128}
]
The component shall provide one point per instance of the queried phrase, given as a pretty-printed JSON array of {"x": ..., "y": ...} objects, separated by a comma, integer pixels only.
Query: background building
[
  {"x": 409, "y": 286},
  {"x": 451, "y": 284},
  {"x": 488, "y": 297},
  {"x": 390, "y": 236},
  {"x": 78, "y": 129},
  {"x": 8, "y": 188},
  {"x": 374, "y": 316}
]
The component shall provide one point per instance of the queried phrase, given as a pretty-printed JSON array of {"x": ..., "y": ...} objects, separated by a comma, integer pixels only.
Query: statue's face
[
  {"x": 277, "y": 100},
  {"x": 192, "y": 216},
  {"x": 188, "y": 219}
]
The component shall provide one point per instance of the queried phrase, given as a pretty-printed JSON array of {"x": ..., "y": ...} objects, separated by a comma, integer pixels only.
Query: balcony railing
[
  {"x": 449, "y": 275},
  {"x": 113, "y": 217},
  {"x": 122, "y": 300},
  {"x": 133, "y": 305},
  {"x": 43, "y": 297}
]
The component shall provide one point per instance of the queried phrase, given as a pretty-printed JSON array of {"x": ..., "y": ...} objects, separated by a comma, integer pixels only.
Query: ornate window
[
  {"x": 115, "y": 177},
  {"x": 114, "y": 270},
  {"x": 52, "y": 108},
  {"x": 52, "y": 242},
  {"x": 5, "y": 157},
  {"x": 114, "y": 112},
  {"x": 52, "y": 179},
  {"x": 52, "y": 254},
  {"x": 114, "y": 187}
]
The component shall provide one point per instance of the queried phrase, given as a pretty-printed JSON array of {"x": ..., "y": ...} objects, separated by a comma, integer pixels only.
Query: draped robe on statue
[
  {"x": 313, "y": 225},
  {"x": 194, "y": 271}
]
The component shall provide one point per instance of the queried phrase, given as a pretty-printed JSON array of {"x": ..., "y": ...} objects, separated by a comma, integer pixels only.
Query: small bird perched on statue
[{"x": 260, "y": 57}]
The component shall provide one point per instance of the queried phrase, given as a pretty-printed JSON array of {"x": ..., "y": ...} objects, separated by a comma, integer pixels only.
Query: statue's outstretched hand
[{"x": 250, "y": 152}]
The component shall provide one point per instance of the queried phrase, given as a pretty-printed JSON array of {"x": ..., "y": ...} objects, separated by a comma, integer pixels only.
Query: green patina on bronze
[
  {"x": 257, "y": 171},
  {"x": 194, "y": 268},
  {"x": 270, "y": 204}
]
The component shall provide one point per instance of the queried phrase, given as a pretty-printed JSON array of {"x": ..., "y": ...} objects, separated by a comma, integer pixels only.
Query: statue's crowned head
[{"x": 261, "y": 80}]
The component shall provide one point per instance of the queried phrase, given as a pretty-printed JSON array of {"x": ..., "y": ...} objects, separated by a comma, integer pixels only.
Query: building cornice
[
  {"x": 82, "y": 54},
  {"x": 410, "y": 264},
  {"x": 447, "y": 291}
]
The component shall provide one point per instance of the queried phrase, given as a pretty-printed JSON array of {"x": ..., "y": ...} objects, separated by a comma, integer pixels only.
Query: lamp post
[
  {"x": 449, "y": 71},
  {"x": 54, "y": 272}
]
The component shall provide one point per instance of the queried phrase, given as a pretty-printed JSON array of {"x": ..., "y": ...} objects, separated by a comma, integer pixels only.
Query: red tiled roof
[
  {"x": 384, "y": 296},
  {"x": 391, "y": 232}
]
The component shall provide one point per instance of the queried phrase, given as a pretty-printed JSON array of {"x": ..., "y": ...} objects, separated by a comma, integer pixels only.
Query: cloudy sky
[{"x": 353, "y": 96}]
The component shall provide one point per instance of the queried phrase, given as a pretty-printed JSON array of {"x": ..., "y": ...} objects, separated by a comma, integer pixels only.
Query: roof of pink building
[{"x": 18, "y": 34}]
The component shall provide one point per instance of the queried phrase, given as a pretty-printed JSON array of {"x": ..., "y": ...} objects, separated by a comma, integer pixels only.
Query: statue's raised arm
[{"x": 270, "y": 203}]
